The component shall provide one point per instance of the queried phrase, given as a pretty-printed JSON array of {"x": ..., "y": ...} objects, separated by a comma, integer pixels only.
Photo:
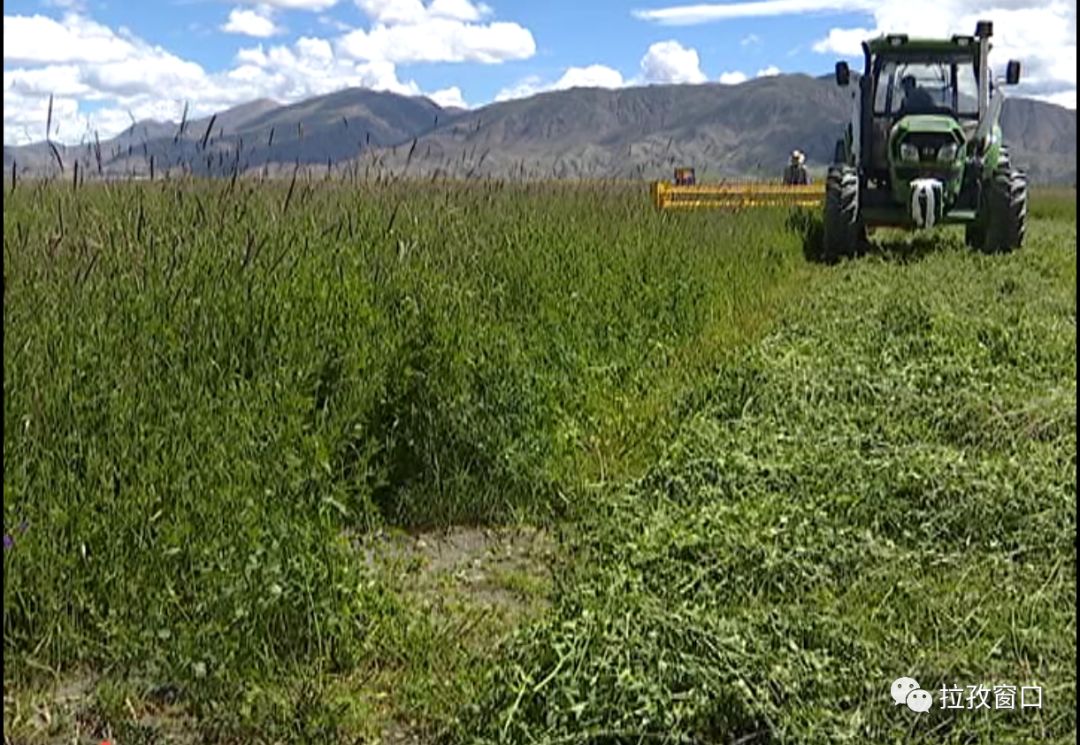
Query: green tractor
[{"x": 924, "y": 146}]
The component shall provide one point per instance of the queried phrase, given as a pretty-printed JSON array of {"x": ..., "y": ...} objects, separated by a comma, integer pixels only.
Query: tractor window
[{"x": 921, "y": 86}]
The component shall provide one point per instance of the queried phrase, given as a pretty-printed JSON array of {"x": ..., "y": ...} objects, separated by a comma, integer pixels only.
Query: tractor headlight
[
  {"x": 947, "y": 153},
  {"x": 909, "y": 152}
]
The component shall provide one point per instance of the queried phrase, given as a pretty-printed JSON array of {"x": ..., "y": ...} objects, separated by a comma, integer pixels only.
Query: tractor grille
[
  {"x": 909, "y": 172},
  {"x": 928, "y": 143}
]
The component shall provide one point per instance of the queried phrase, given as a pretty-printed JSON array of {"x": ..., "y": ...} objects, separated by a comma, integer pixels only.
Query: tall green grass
[{"x": 206, "y": 384}]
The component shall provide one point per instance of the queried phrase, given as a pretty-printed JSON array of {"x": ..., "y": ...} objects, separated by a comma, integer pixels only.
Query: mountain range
[{"x": 724, "y": 131}]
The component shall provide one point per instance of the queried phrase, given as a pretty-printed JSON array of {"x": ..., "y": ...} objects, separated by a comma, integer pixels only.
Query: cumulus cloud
[
  {"x": 414, "y": 11},
  {"x": 846, "y": 42},
  {"x": 591, "y": 76},
  {"x": 404, "y": 31},
  {"x": 449, "y": 98},
  {"x": 1041, "y": 35},
  {"x": 768, "y": 72},
  {"x": 440, "y": 40},
  {"x": 39, "y": 39},
  {"x": 125, "y": 77},
  {"x": 102, "y": 77},
  {"x": 663, "y": 62},
  {"x": 257, "y": 23},
  {"x": 733, "y": 78},
  {"x": 671, "y": 62}
]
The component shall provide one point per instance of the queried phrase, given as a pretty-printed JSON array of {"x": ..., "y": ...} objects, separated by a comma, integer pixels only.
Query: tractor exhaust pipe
[{"x": 983, "y": 31}]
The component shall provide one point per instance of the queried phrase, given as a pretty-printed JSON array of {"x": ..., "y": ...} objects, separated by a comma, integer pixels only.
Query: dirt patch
[
  {"x": 504, "y": 567},
  {"x": 67, "y": 712}
]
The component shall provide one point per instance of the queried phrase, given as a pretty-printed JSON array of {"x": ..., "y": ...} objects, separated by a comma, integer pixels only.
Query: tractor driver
[{"x": 915, "y": 98}]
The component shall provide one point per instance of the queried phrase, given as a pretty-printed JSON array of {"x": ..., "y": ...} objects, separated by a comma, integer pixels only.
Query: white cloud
[
  {"x": 749, "y": 39},
  {"x": 458, "y": 10},
  {"x": 449, "y": 97},
  {"x": 440, "y": 40},
  {"x": 59, "y": 80},
  {"x": 251, "y": 23},
  {"x": 119, "y": 74},
  {"x": 733, "y": 78},
  {"x": 98, "y": 74},
  {"x": 310, "y": 68},
  {"x": 38, "y": 39},
  {"x": 152, "y": 72},
  {"x": 25, "y": 117},
  {"x": 405, "y": 31},
  {"x": 768, "y": 72},
  {"x": 390, "y": 12},
  {"x": 312, "y": 5},
  {"x": 671, "y": 62},
  {"x": 688, "y": 15},
  {"x": 1066, "y": 99},
  {"x": 591, "y": 76},
  {"x": 1041, "y": 35},
  {"x": 524, "y": 88},
  {"x": 846, "y": 42}
]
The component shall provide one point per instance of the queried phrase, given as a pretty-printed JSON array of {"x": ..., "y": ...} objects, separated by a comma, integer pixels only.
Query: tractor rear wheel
[
  {"x": 1004, "y": 220},
  {"x": 843, "y": 228}
]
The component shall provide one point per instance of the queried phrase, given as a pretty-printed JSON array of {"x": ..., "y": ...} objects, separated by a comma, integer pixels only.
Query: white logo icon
[
  {"x": 919, "y": 701},
  {"x": 907, "y": 691}
]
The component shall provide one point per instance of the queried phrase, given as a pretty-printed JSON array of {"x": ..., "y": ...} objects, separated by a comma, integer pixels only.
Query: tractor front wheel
[
  {"x": 1001, "y": 227},
  {"x": 843, "y": 228}
]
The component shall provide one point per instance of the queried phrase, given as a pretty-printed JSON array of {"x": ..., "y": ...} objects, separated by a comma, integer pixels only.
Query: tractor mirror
[
  {"x": 1012, "y": 72},
  {"x": 843, "y": 74}
]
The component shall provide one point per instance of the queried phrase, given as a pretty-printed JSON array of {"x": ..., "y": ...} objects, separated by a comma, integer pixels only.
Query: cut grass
[{"x": 884, "y": 486}]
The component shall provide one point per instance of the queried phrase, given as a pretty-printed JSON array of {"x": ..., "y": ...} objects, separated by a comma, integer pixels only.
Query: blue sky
[{"x": 107, "y": 61}]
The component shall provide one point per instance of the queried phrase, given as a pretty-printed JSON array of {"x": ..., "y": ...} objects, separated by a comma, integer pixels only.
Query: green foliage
[
  {"x": 208, "y": 387},
  {"x": 206, "y": 384},
  {"x": 884, "y": 486}
]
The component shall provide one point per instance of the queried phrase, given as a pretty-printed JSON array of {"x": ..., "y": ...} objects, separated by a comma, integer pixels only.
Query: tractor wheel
[
  {"x": 974, "y": 235},
  {"x": 1004, "y": 219},
  {"x": 1003, "y": 157},
  {"x": 843, "y": 228}
]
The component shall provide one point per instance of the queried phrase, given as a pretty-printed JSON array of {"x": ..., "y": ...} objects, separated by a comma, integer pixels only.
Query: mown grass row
[
  {"x": 206, "y": 385},
  {"x": 885, "y": 486}
]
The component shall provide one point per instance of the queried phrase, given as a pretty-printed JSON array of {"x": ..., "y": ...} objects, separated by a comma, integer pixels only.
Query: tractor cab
[{"x": 926, "y": 108}]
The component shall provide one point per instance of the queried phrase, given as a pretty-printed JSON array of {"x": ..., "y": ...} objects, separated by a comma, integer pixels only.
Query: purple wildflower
[{"x": 9, "y": 542}]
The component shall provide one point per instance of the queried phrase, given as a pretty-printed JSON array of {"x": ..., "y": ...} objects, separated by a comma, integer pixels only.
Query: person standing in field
[{"x": 795, "y": 173}]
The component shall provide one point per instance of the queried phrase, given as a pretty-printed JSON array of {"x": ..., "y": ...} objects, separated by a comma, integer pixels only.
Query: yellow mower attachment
[{"x": 735, "y": 195}]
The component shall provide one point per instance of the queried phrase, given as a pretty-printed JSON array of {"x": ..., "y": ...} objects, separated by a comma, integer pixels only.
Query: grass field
[{"x": 757, "y": 488}]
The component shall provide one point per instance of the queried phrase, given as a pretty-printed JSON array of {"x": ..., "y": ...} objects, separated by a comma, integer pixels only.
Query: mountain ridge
[{"x": 635, "y": 132}]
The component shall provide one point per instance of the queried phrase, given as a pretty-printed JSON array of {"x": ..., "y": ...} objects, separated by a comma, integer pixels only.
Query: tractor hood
[{"x": 928, "y": 123}]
